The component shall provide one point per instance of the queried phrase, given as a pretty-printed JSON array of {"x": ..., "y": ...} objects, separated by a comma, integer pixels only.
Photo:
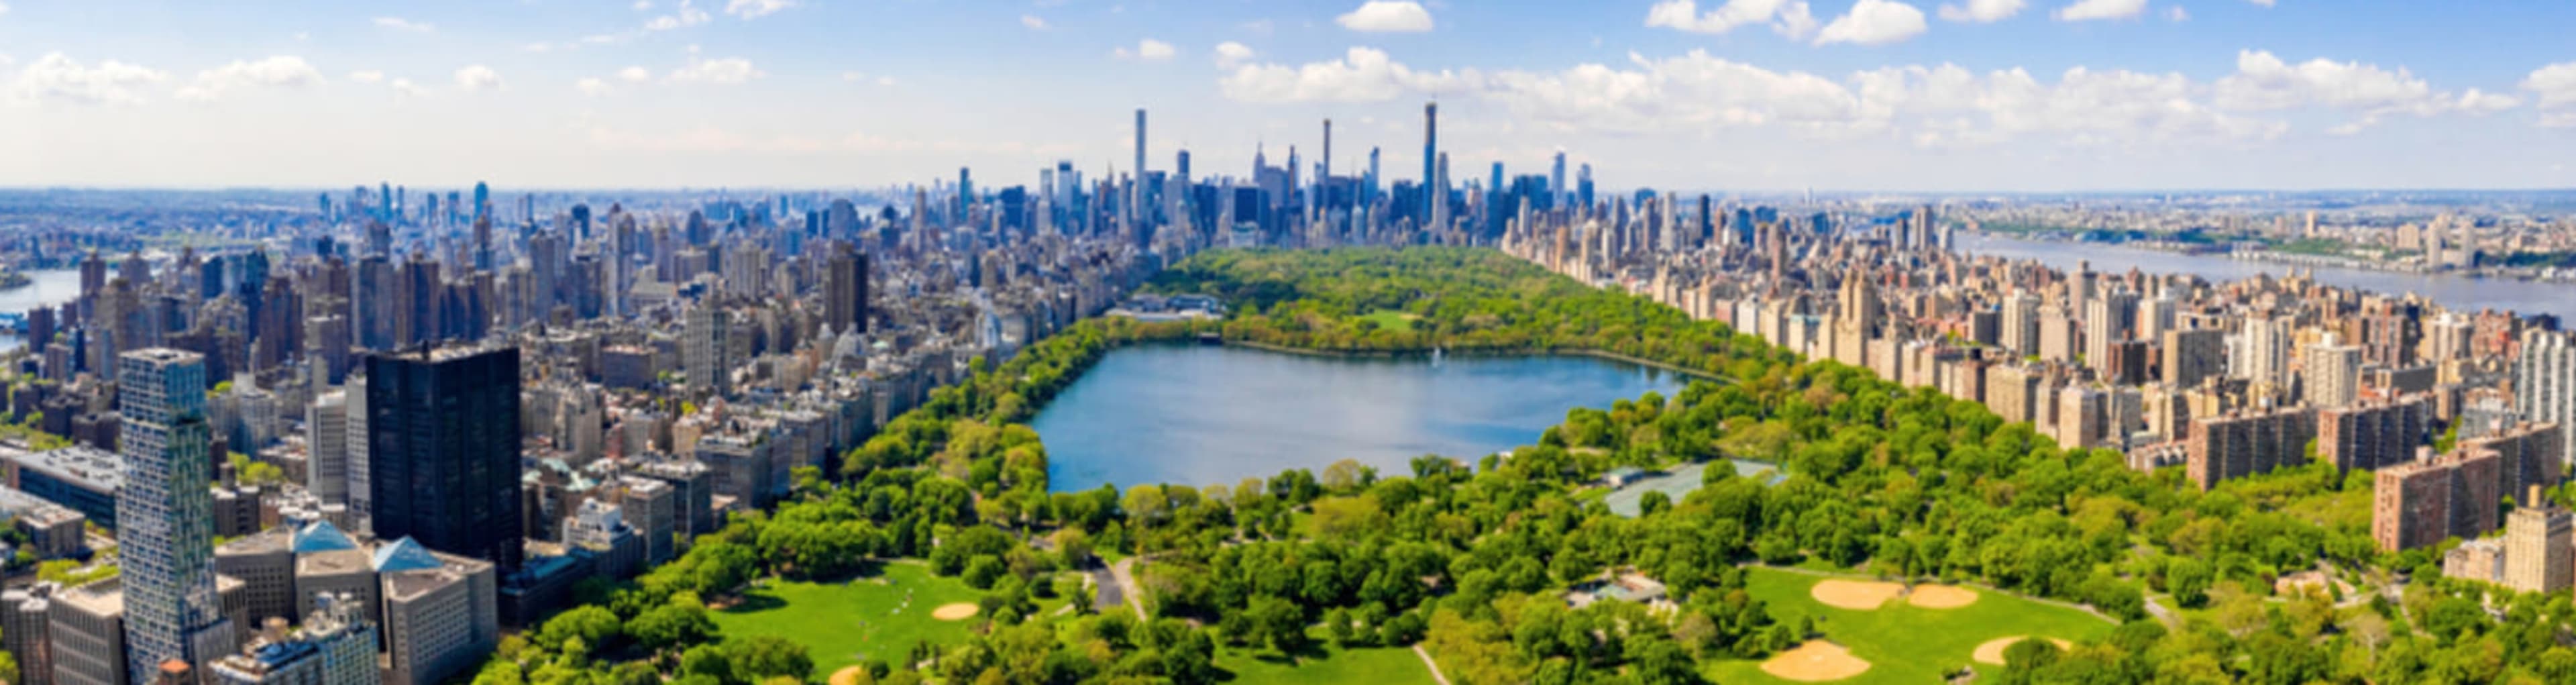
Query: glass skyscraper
[
  {"x": 165, "y": 514},
  {"x": 443, "y": 450}
]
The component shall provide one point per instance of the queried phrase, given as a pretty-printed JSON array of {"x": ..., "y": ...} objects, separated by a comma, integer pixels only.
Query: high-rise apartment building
[
  {"x": 2538, "y": 554},
  {"x": 443, "y": 447},
  {"x": 2374, "y": 434},
  {"x": 165, "y": 514},
  {"x": 706, "y": 350},
  {"x": 2332, "y": 373},
  {"x": 2544, "y": 383},
  {"x": 845, "y": 292},
  {"x": 2240, "y": 445}
]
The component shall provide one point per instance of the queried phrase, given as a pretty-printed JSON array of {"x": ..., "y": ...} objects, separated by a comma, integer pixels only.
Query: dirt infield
[
  {"x": 1992, "y": 652},
  {"x": 1815, "y": 662},
  {"x": 953, "y": 612},
  {"x": 848, "y": 675},
  {"x": 1858, "y": 595},
  {"x": 1941, "y": 596}
]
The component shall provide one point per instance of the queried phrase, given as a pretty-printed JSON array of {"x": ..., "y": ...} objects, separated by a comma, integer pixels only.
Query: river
[
  {"x": 2453, "y": 291},
  {"x": 1207, "y": 415},
  {"x": 50, "y": 287}
]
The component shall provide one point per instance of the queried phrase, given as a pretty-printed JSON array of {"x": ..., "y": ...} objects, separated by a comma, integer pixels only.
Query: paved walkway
[
  {"x": 1124, "y": 572},
  {"x": 1426, "y": 661}
]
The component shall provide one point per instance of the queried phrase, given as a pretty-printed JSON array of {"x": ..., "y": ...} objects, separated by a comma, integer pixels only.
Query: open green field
[
  {"x": 1904, "y": 643},
  {"x": 1374, "y": 665},
  {"x": 1389, "y": 319},
  {"x": 843, "y": 623}
]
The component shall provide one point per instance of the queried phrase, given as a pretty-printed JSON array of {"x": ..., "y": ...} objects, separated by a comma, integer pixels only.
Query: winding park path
[
  {"x": 1123, "y": 570},
  {"x": 1434, "y": 665}
]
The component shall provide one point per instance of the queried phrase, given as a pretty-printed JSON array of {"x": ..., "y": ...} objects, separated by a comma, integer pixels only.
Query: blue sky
[{"x": 1743, "y": 95}]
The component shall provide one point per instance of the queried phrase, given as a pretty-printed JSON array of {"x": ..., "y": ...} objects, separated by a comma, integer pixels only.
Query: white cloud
[
  {"x": 59, "y": 77},
  {"x": 2265, "y": 3},
  {"x": 729, "y": 70},
  {"x": 2264, "y": 82},
  {"x": 401, "y": 24},
  {"x": 1874, "y": 22},
  {"x": 1361, "y": 75},
  {"x": 2177, "y": 14},
  {"x": 1230, "y": 54},
  {"x": 4, "y": 8},
  {"x": 404, "y": 86},
  {"x": 1033, "y": 22},
  {"x": 1982, "y": 11},
  {"x": 642, "y": 5},
  {"x": 1942, "y": 106},
  {"x": 754, "y": 9},
  {"x": 478, "y": 78},
  {"x": 1787, "y": 17},
  {"x": 279, "y": 71},
  {"x": 634, "y": 75},
  {"x": 1148, "y": 50},
  {"x": 592, "y": 87},
  {"x": 2555, "y": 84},
  {"x": 2476, "y": 101},
  {"x": 686, "y": 15},
  {"x": 1387, "y": 16},
  {"x": 367, "y": 76},
  {"x": 2088, "y": 10}
]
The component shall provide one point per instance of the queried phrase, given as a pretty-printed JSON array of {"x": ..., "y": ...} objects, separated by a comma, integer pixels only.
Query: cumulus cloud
[
  {"x": 2177, "y": 14},
  {"x": 287, "y": 71},
  {"x": 1148, "y": 50},
  {"x": 634, "y": 75},
  {"x": 57, "y": 76},
  {"x": 685, "y": 15},
  {"x": 1982, "y": 11},
  {"x": 1874, "y": 22},
  {"x": 1787, "y": 17},
  {"x": 1361, "y": 75},
  {"x": 754, "y": 9},
  {"x": 404, "y": 86},
  {"x": 727, "y": 71},
  {"x": 2089, "y": 10},
  {"x": 1033, "y": 22},
  {"x": 592, "y": 87},
  {"x": 401, "y": 24},
  {"x": 1230, "y": 54},
  {"x": 2555, "y": 84},
  {"x": 1387, "y": 16},
  {"x": 367, "y": 76},
  {"x": 2264, "y": 81},
  {"x": 478, "y": 78}
]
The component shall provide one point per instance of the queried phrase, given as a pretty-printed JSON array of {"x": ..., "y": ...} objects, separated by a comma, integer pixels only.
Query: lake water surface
[{"x": 1207, "y": 415}]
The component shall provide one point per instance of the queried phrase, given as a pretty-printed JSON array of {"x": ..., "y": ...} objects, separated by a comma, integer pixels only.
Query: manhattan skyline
[{"x": 1734, "y": 95}]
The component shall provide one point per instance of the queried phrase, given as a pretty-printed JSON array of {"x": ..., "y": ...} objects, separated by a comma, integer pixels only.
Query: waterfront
[
  {"x": 1205, "y": 415},
  {"x": 50, "y": 287},
  {"x": 2456, "y": 292}
]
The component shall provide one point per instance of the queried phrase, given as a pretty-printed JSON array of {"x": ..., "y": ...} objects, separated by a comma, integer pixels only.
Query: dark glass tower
[{"x": 443, "y": 450}]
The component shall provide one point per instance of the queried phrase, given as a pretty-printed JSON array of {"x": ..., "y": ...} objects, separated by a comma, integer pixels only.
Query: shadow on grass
[{"x": 756, "y": 602}]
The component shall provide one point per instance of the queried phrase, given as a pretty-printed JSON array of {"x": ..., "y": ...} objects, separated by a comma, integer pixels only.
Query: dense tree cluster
[{"x": 1473, "y": 561}]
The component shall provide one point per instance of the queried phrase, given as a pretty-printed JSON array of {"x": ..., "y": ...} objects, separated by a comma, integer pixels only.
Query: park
[
  {"x": 1875, "y": 631},
  {"x": 848, "y": 622}
]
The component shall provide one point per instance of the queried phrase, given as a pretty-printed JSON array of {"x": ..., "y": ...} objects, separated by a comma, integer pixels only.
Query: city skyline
[{"x": 1742, "y": 95}]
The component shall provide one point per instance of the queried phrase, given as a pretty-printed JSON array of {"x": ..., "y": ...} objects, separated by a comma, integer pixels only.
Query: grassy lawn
[
  {"x": 1904, "y": 643},
  {"x": 1374, "y": 665},
  {"x": 843, "y": 623},
  {"x": 1389, "y": 319}
]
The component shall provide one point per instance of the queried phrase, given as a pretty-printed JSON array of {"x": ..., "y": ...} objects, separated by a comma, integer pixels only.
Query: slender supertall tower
[
  {"x": 1136, "y": 189},
  {"x": 1327, "y": 176},
  {"x": 165, "y": 515},
  {"x": 1430, "y": 157}
]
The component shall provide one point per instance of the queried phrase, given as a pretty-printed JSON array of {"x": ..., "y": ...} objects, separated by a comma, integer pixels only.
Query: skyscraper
[
  {"x": 1430, "y": 157},
  {"x": 1556, "y": 182},
  {"x": 482, "y": 200},
  {"x": 165, "y": 515},
  {"x": 2544, "y": 383},
  {"x": 706, "y": 340},
  {"x": 845, "y": 291},
  {"x": 1136, "y": 188},
  {"x": 443, "y": 450}
]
